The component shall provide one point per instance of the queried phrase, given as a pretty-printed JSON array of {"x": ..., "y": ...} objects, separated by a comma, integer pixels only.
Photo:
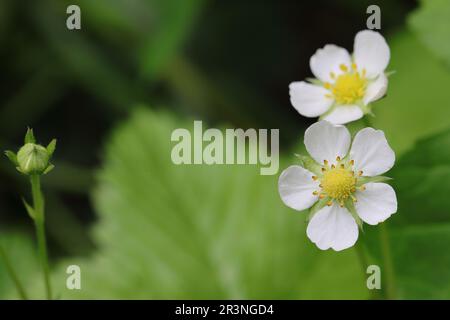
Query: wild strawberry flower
[
  {"x": 345, "y": 85},
  {"x": 340, "y": 183}
]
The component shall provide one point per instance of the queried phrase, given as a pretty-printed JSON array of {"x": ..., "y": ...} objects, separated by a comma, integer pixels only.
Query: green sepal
[
  {"x": 351, "y": 208},
  {"x": 29, "y": 208},
  {"x": 390, "y": 73},
  {"x": 366, "y": 109},
  {"x": 12, "y": 157},
  {"x": 29, "y": 136},
  {"x": 49, "y": 168},
  {"x": 314, "y": 81},
  {"x": 310, "y": 164},
  {"x": 329, "y": 111},
  {"x": 51, "y": 147},
  {"x": 317, "y": 206},
  {"x": 363, "y": 180}
]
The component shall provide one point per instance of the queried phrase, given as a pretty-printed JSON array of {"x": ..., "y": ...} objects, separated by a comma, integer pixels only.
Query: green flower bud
[{"x": 32, "y": 159}]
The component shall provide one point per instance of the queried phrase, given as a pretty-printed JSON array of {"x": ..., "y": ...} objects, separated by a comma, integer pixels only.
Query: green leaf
[
  {"x": 431, "y": 23},
  {"x": 199, "y": 231},
  {"x": 417, "y": 98},
  {"x": 175, "y": 20},
  {"x": 420, "y": 230},
  {"x": 22, "y": 256}
]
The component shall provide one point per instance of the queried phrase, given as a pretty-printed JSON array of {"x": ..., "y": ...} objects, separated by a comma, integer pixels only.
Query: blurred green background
[{"x": 141, "y": 227}]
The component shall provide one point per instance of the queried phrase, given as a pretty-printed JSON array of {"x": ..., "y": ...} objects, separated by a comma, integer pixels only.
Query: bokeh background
[{"x": 141, "y": 227}]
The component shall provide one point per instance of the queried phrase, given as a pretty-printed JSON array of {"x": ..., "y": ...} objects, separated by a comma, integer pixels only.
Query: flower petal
[
  {"x": 333, "y": 227},
  {"x": 377, "y": 203},
  {"x": 344, "y": 114},
  {"x": 376, "y": 89},
  {"x": 326, "y": 141},
  {"x": 327, "y": 60},
  {"x": 308, "y": 99},
  {"x": 371, "y": 52},
  {"x": 296, "y": 188},
  {"x": 371, "y": 152}
]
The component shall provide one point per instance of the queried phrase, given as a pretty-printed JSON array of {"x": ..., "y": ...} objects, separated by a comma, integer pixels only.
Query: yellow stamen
[
  {"x": 338, "y": 183},
  {"x": 343, "y": 67},
  {"x": 349, "y": 87}
]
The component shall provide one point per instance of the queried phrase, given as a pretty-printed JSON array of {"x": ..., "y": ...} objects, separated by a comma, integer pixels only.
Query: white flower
[
  {"x": 345, "y": 85},
  {"x": 340, "y": 183}
]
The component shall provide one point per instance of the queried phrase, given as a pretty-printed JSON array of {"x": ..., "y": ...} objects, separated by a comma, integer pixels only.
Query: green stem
[
  {"x": 39, "y": 222},
  {"x": 388, "y": 265},
  {"x": 12, "y": 274},
  {"x": 363, "y": 258},
  {"x": 386, "y": 251}
]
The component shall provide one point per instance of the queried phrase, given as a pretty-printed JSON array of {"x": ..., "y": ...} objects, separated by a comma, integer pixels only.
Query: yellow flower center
[
  {"x": 349, "y": 87},
  {"x": 338, "y": 183}
]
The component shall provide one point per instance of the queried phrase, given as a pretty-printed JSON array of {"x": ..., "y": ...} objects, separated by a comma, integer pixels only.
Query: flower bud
[{"x": 33, "y": 159}]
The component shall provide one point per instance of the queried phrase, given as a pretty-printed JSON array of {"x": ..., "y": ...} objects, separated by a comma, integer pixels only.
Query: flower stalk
[
  {"x": 33, "y": 160},
  {"x": 39, "y": 223},
  {"x": 383, "y": 236}
]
